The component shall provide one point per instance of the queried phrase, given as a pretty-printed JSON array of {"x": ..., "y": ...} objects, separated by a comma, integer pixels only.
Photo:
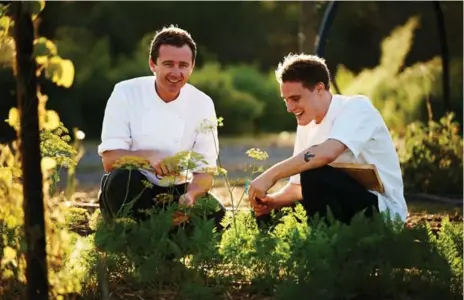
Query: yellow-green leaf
[
  {"x": 41, "y": 60},
  {"x": 44, "y": 47},
  {"x": 9, "y": 254},
  {"x": 53, "y": 68},
  {"x": 34, "y": 7},
  {"x": 7, "y": 51},
  {"x": 5, "y": 23},
  {"x": 67, "y": 73},
  {"x": 13, "y": 117},
  {"x": 6, "y": 175},
  {"x": 52, "y": 120},
  {"x": 47, "y": 164}
]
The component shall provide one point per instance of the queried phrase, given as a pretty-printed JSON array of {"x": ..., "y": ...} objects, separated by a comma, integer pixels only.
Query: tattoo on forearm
[{"x": 308, "y": 156}]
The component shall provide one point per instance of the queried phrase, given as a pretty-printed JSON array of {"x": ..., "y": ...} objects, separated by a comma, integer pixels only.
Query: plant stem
[{"x": 226, "y": 179}]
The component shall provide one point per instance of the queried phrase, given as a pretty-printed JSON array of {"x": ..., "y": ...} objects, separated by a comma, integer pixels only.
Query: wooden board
[{"x": 366, "y": 174}]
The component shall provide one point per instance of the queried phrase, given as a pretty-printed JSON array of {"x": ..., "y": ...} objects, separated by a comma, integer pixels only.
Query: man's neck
[
  {"x": 166, "y": 97},
  {"x": 325, "y": 105}
]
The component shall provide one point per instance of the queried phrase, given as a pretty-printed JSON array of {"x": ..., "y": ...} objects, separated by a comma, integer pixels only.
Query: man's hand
[
  {"x": 157, "y": 160},
  {"x": 187, "y": 200},
  {"x": 259, "y": 186},
  {"x": 265, "y": 205},
  {"x": 162, "y": 164}
]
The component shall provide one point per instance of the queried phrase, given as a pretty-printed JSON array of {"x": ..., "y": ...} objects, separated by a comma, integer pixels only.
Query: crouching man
[
  {"x": 330, "y": 128},
  {"x": 153, "y": 118}
]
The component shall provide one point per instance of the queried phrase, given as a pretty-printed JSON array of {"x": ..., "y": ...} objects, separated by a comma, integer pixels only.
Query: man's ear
[
  {"x": 191, "y": 70},
  {"x": 152, "y": 65},
  {"x": 320, "y": 87}
]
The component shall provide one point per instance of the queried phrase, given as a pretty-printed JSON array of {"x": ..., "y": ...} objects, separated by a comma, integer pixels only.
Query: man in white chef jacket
[
  {"x": 331, "y": 129},
  {"x": 155, "y": 117}
]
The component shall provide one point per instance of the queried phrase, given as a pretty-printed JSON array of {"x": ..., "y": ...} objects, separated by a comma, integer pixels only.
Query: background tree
[{"x": 25, "y": 71}]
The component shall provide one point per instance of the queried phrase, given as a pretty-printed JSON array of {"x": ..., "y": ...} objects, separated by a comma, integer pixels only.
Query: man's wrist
[
  {"x": 272, "y": 174},
  {"x": 195, "y": 193},
  {"x": 275, "y": 201}
]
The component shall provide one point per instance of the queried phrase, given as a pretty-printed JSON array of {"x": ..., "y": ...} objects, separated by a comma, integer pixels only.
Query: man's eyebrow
[
  {"x": 172, "y": 61},
  {"x": 292, "y": 96}
]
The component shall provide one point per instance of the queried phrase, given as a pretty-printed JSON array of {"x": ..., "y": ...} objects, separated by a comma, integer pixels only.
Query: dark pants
[
  {"x": 122, "y": 186},
  {"x": 327, "y": 187}
]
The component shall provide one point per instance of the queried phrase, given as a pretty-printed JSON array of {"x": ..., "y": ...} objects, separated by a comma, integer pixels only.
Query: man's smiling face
[
  {"x": 300, "y": 101},
  {"x": 173, "y": 68}
]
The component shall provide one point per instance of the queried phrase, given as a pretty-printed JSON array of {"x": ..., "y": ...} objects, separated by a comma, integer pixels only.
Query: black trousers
[
  {"x": 121, "y": 186},
  {"x": 328, "y": 187}
]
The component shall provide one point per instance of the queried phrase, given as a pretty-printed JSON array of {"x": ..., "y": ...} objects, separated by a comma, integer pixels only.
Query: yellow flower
[
  {"x": 164, "y": 198},
  {"x": 147, "y": 184},
  {"x": 257, "y": 154},
  {"x": 131, "y": 162},
  {"x": 9, "y": 255},
  {"x": 214, "y": 170},
  {"x": 220, "y": 121},
  {"x": 168, "y": 180}
]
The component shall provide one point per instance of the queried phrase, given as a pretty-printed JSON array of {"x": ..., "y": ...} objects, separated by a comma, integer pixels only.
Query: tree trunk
[{"x": 29, "y": 139}]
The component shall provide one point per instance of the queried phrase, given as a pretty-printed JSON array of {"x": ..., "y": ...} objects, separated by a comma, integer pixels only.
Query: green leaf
[
  {"x": 60, "y": 71},
  {"x": 43, "y": 50},
  {"x": 175, "y": 249},
  {"x": 34, "y": 8},
  {"x": 67, "y": 73},
  {"x": 5, "y": 23}
]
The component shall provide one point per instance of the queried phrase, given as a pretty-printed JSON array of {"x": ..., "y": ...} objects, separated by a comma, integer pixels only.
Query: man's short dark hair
[
  {"x": 174, "y": 36},
  {"x": 304, "y": 68}
]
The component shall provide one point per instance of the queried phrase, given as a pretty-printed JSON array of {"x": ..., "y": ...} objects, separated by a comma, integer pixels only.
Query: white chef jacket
[{"x": 136, "y": 118}]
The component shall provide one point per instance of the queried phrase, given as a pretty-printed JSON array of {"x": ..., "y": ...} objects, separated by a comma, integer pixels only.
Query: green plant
[
  {"x": 265, "y": 89},
  {"x": 230, "y": 102},
  {"x": 400, "y": 91},
  {"x": 54, "y": 152},
  {"x": 449, "y": 244},
  {"x": 431, "y": 157}
]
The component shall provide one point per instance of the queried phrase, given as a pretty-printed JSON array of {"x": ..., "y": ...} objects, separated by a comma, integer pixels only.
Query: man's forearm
[
  {"x": 200, "y": 185},
  {"x": 287, "y": 195},
  {"x": 311, "y": 158},
  {"x": 110, "y": 157}
]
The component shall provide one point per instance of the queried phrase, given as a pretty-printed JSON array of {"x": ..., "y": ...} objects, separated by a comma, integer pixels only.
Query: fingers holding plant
[
  {"x": 186, "y": 200},
  {"x": 263, "y": 206},
  {"x": 163, "y": 165},
  {"x": 258, "y": 188}
]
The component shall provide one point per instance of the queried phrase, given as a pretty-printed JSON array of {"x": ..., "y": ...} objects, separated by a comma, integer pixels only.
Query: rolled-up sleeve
[
  {"x": 356, "y": 125},
  {"x": 207, "y": 142},
  {"x": 115, "y": 133}
]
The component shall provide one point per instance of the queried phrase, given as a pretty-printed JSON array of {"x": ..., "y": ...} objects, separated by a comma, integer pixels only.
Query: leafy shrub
[
  {"x": 265, "y": 89},
  {"x": 369, "y": 259},
  {"x": 431, "y": 157},
  {"x": 400, "y": 92},
  {"x": 287, "y": 258},
  {"x": 240, "y": 108}
]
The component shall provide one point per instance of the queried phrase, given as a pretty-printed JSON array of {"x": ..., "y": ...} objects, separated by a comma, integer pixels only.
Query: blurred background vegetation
[{"x": 388, "y": 50}]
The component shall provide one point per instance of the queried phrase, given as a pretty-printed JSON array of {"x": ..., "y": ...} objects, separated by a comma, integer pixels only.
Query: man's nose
[
  {"x": 176, "y": 71},
  {"x": 290, "y": 107}
]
